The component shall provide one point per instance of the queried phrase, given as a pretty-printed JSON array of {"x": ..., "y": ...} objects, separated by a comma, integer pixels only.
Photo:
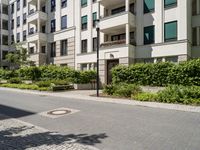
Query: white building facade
[{"x": 63, "y": 32}]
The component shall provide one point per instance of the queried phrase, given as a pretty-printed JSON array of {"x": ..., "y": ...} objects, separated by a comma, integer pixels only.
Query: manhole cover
[{"x": 59, "y": 112}]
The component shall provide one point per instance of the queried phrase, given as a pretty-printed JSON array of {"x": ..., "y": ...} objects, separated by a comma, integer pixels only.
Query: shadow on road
[
  {"x": 14, "y": 138},
  {"x": 13, "y": 112}
]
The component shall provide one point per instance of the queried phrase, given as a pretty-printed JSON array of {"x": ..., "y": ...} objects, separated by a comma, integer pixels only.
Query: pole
[{"x": 98, "y": 41}]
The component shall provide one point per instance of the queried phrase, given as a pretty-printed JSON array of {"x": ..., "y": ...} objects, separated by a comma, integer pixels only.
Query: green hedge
[
  {"x": 159, "y": 74},
  {"x": 50, "y": 72}
]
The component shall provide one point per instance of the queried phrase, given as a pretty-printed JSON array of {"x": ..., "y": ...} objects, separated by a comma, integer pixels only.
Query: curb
[{"x": 178, "y": 107}]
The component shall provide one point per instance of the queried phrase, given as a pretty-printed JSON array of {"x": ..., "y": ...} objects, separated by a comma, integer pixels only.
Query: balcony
[
  {"x": 117, "y": 21},
  {"x": 116, "y": 43},
  {"x": 35, "y": 15},
  {"x": 35, "y": 36},
  {"x": 38, "y": 58}
]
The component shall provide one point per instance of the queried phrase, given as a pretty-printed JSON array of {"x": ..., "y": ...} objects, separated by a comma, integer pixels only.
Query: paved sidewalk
[
  {"x": 86, "y": 95},
  {"x": 18, "y": 135}
]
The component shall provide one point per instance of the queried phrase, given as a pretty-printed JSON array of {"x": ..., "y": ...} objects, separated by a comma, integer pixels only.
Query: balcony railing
[{"x": 119, "y": 42}]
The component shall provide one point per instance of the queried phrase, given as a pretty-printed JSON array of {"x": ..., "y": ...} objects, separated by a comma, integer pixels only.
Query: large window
[
  {"x": 24, "y": 18},
  {"x": 5, "y": 24},
  {"x": 18, "y": 21},
  {"x": 12, "y": 8},
  {"x": 4, "y": 39},
  {"x": 53, "y": 25},
  {"x": 63, "y": 3},
  {"x": 94, "y": 18},
  {"x": 18, "y": 37},
  {"x": 194, "y": 36},
  {"x": 53, "y": 5},
  {"x": 84, "y": 46},
  {"x": 170, "y": 3},
  {"x": 149, "y": 35},
  {"x": 95, "y": 44},
  {"x": 18, "y": 5},
  {"x": 63, "y": 50},
  {"x": 84, "y": 23},
  {"x": 5, "y": 9},
  {"x": 149, "y": 6},
  {"x": 24, "y": 35},
  {"x": 64, "y": 22},
  {"x": 83, "y": 3},
  {"x": 171, "y": 31},
  {"x": 53, "y": 49}
]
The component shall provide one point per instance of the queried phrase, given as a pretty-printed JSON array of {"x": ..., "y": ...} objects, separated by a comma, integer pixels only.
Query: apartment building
[
  {"x": 63, "y": 32},
  {"x": 4, "y": 45}
]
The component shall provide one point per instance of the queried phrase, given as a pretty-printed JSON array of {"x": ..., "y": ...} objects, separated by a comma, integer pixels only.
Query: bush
[
  {"x": 159, "y": 74},
  {"x": 15, "y": 80},
  {"x": 122, "y": 90},
  {"x": 43, "y": 83},
  {"x": 180, "y": 94},
  {"x": 109, "y": 89},
  {"x": 145, "y": 96}
]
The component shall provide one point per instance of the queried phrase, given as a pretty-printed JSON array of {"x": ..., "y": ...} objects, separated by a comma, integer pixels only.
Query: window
[
  {"x": 83, "y": 3},
  {"x": 84, "y": 46},
  {"x": 94, "y": 17},
  {"x": 24, "y": 35},
  {"x": 4, "y": 39},
  {"x": 171, "y": 31},
  {"x": 64, "y": 22},
  {"x": 84, "y": 67},
  {"x": 53, "y": 5},
  {"x": 94, "y": 1},
  {"x": 12, "y": 8},
  {"x": 194, "y": 36},
  {"x": 118, "y": 37},
  {"x": 53, "y": 49},
  {"x": 118, "y": 10},
  {"x": 31, "y": 50},
  {"x": 84, "y": 23},
  {"x": 18, "y": 5},
  {"x": 53, "y": 25},
  {"x": 43, "y": 49},
  {"x": 18, "y": 21},
  {"x": 24, "y": 3},
  {"x": 18, "y": 37},
  {"x": 95, "y": 44},
  {"x": 12, "y": 24},
  {"x": 24, "y": 18},
  {"x": 149, "y": 6},
  {"x": 170, "y": 3},
  {"x": 194, "y": 7},
  {"x": 63, "y": 3},
  {"x": 5, "y": 9},
  {"x": 5, "y": 24},
  {"x": 63, "y": 50},
  {"x": 149, "y": 34},
  {"x": 12, "y": 39},
  {"x": 4, "y": 53}
]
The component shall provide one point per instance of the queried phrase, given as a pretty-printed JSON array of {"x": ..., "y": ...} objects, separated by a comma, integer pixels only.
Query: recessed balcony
[
  {"x": 35, "y": 15},
  {"x": 38, "y": 58},
  {"x": 117, "y": 21},
  {"x": 35, "y": 36}
]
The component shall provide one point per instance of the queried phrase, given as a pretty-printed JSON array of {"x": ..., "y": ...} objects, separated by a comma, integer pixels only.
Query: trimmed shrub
[
  {"x": 109, "y": 89},
  {"x": 15, "y": 80},
  {"x": 145, "y": 96},
  {"x": 159, "y": 74},
  {"x": 180, "y": 94},
  {"x": 29, "y": 73},
  {"x": 122, "y": 90}
]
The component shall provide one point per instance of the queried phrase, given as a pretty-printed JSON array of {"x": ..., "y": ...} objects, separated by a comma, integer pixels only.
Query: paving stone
[{"x": 18, "y": 135}]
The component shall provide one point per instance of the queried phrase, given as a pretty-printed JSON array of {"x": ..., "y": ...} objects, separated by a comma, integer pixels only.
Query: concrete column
[
  {"x": 38, "y": 25},
  {"x": 127, "y": 34},
  {"x": 38, "y": 46},
  {"x": 38, "y": 5},
  {"x": 127, "y": 5}
]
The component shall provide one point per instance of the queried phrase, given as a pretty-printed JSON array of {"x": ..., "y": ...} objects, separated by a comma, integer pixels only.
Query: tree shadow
[
  {"x": 13, "y": 112},
  {"x": 21, "y": 138}
]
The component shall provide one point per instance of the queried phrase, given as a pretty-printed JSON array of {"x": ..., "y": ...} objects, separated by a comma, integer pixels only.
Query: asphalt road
[{"x": 108, "y": 126}]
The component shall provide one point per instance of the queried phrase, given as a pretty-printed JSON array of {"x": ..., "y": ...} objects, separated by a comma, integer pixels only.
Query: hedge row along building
[{"x": 62, "y": 32}]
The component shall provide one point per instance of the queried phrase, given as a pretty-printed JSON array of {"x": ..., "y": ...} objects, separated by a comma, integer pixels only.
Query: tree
[{"x": 19, "y": 57}]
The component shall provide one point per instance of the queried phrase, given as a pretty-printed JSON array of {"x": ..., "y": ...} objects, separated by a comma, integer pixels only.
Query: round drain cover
[{"x": 59, "y": 112}]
